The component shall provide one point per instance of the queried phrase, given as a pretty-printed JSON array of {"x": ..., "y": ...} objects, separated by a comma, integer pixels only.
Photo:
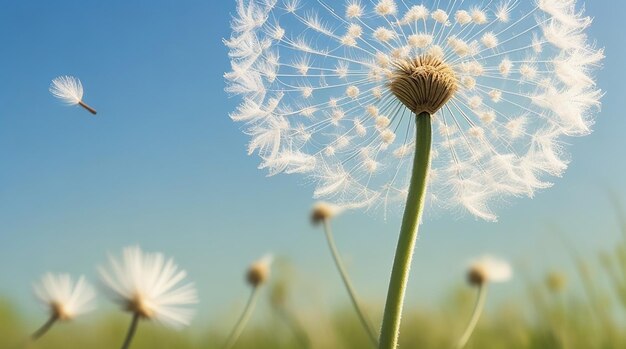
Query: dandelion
[
  {"x": 419, "y": 64},
  {"x": 556, "y": 282},
  {"x": 64, "y": 299},
  {"x": 481, "y": 272},
  {"x": 257, "y": 275},
  {"x": 70, "y": 90},
  {"x": 147, "y": 286},
  {"x": 322, "y": 213}
]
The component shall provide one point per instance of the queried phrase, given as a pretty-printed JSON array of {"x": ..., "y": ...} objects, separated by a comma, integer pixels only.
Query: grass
[{"x": 553, "y": 314}]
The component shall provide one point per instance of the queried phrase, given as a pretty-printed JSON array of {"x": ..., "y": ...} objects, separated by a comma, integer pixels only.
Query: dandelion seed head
[
  {"x": 259, "y": 271},
  {"x": 329, "y": 90},
  {"x": 148, "y": 284},
  {"x": 63, "y": 298},
  {"x": 487, "y": 269}
]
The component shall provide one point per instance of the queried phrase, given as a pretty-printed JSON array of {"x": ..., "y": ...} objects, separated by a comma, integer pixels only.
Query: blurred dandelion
[
  {"x": 322, "y": 213},
  {"x": 332, "y": 91},
  {"x": 70, "y": 90},
  {"x": 146, "y": 285},
  {"x": 257, "y": 274},
  {"x": 64, "y": 299},
  {"x": 481, "y": 272},
  {"x": 556, "y": 282}
]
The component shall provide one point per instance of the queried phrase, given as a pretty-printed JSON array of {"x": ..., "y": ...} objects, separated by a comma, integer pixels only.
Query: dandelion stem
[
  {"x": 131, "y": 331},
  {"x": 243, "y": 320},
  {"x": 84, "y": 105},
  {"x": 408, "y": 234},
  {"x": 45, "y": 328},
  {"x": 346, "y": 281},
  {"x": 478, "y": 309},
  {"x": 295, "y": 326}
]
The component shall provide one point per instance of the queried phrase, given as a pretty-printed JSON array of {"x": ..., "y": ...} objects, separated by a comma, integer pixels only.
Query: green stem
[
  {"x": 408, "y": 234},
  {"x": 346, "y": 281},
  {"x": 131, "y": 331},
  {"x": 478, "y": 309},
  {"x": 295, "y": 326},
  {"x": 45, "y": 328},
  {"x": 243, "y": 320}
]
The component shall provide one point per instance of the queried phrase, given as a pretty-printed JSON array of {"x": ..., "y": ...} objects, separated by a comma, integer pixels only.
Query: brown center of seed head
[
  {"x": 423, "y": 84},
  {"x": 139, "y": 305},
  {"x": 476, "y": 277}
]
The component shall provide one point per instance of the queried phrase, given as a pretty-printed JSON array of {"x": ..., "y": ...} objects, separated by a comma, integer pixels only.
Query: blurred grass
[
  {"x": 553, "y": 314},
  {"x": 550, "y": 317}
]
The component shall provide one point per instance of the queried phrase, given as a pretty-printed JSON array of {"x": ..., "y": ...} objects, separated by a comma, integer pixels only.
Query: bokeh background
[{"x": 163, "y": 166}]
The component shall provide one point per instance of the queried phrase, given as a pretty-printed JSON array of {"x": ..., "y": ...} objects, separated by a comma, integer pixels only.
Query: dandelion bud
[
  {"x": 259, "y": 271},
  {"x": 322, "y": 211}
]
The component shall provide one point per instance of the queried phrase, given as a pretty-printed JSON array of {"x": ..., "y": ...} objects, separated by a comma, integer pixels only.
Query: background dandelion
[{"x": 314, "y": 75}]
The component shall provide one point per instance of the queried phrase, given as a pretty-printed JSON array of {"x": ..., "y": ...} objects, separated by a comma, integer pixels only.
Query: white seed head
[
  {"x": 323, "y": 82},
  {"x": 488, "y": 269},
  {"x": 64, "y": 299},
  {"x": 323, "y": 211},
  {"x": 148, "y": 285}
]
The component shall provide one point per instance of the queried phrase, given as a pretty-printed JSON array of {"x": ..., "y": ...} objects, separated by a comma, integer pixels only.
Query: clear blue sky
[{"x": 163, "y": 166}]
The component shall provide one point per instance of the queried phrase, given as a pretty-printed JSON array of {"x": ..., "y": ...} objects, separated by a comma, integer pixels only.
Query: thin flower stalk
[
  {"x": 478, "y": 309},
  {"x": 132, "y": 329},
  {"x": 44, "y": 328},
  {"x": 243, "y": 319},
  {"x": 365, "y": 322}
]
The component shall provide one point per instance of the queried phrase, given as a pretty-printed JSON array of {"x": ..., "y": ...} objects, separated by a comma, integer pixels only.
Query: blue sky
[{"x": 164, "y": 167}]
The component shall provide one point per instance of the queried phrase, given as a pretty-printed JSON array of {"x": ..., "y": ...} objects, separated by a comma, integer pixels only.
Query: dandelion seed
[
  {"x": 70, "y": 90},
  {"x": 528, "y": 58},
  {"x": 64, "y": 299},
  {"x": 148, "y": 286}
]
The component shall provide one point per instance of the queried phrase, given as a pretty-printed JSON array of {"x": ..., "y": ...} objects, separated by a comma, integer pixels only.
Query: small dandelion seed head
[
  {"x": 423, "y": 84},
  {"x": 259, "y": 272},
  {"x": 488, "y": 269},
  {"x": 323, "y": 211},
  {"x": 148, "y": 285},
  {"x": 63, "y": 298}
]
